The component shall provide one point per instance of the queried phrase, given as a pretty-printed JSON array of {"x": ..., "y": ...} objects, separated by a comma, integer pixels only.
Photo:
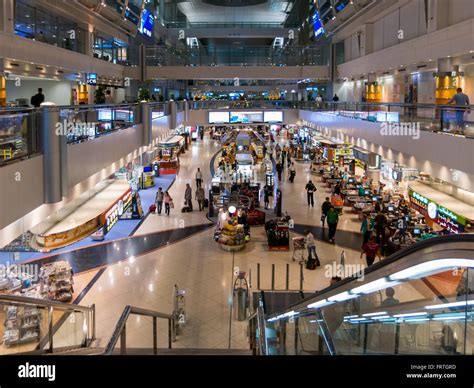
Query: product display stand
[
  {"x": 56, "y": 281},
  {"x": 22, "y": 325}
]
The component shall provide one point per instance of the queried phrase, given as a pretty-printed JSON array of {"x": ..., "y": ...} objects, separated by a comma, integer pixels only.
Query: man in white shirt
[
  {"x": 198, "y": 178},
  {"x": 311, "y": 245}
]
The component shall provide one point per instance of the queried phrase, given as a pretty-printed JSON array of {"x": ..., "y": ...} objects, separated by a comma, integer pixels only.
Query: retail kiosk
[{"x": 168, "y": 154}]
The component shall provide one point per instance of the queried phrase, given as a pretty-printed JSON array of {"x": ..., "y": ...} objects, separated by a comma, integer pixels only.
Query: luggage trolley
[{"x": 299, "y": 246}]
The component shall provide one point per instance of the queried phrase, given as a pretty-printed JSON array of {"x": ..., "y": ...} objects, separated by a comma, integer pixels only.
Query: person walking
[
  {"x": 198, "y": 177},
  {"x": 461, "y": 102},
  {"x": 380, "y": 222},
  {"x": 371, "y": 250},
  {"x": 324, "y": 210},
  {"x": 292, "y": 173},
  {"x": 310, "y": 189},
  {"x": 200, "y": 196},
  {"x": 311, "y": 246},
  {"x": 332, "y": 219},
  {"x": 168, "y": 201},
  {"x": 365, "y": 229},
  {"x": 279, "y": 170},
  {"x": 188, "y": 196},
  {"x": 38, "y": 98},
  {"x": 159, "y": 200},
  {"x": 266, "y": 196}
]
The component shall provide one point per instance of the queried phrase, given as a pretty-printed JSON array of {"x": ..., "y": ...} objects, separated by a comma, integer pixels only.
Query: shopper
[
  {"x": 188, "y": 196},
  {"x": 266, "y": 196},
  {"x": 200, "y": 196},
  {"x": 324, "y": 210},
  {"x": 390, "y": 300},
  {"x": 159, "y": 200},
  {"x": 380, "y": 222},
  {"x": 168, "y": 201},
  {"x": 311, "y": 246},
  {"x": 371, "y": 250},
  {"x": 337, "y": 189},
  {"x": 365, "y": 229},
  {"x": 38, "y": 98},
  {"x": 335, "y": 98},
  {"x": 279, "y": 170},
  {"x": 292, "y": 173},
  {"x": 310, "y": 189},
  {"x": 332, "y": 220},
  {"x": 198, "y": 178},
  {"x": 461, "y": 102}
]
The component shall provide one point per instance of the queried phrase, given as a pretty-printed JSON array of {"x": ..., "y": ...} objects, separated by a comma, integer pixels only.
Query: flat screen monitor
[
  {"x": 351, "y": 180},
  {"x": 417, "y": 231},
  {"x": 218, "y": 117},
  {"x": 124, "y": 115},
  {"x": 105, "y": 115},
  {"x": 146, "y": 23},
  {"x": 375, "y": 198},
  {"x": 273, "y": 117},
  {"x": 390, "y": 208},
  {"x": 367, "y": 192},
  {"x": 246, "y": 117},
  {"x": 317, "y": 25}
]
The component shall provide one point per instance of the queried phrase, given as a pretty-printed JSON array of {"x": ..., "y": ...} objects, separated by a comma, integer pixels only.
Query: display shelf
[{"x": 56, "y": 281}]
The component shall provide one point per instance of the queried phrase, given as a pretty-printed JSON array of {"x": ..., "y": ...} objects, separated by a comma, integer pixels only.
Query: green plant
[
  {"x": 143, "y": 94},
  {"x": 99, "y": 95}
]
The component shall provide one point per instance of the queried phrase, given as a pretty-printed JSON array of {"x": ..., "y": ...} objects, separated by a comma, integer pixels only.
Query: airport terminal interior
[{"x": 237, "y": 177}]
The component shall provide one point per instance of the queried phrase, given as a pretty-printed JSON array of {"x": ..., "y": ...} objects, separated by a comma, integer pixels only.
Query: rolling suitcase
[
  {"x": 152, "y": 208},
  {"x": 206, "y": 202}
]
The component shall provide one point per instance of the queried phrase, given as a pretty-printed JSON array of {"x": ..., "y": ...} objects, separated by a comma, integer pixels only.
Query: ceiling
[{"x": 236, "y": 11}]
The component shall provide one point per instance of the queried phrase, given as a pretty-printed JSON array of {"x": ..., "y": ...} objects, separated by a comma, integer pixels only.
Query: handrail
[
  {"x": 120, "y": 328},
  {"x": 335, "y": 288},
  {"x": 44, "y": 303}
]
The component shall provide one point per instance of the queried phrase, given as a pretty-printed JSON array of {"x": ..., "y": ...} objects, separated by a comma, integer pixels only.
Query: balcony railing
[
  {"x": 237, "y": 56},
  {"x": 228, "y": 25}
]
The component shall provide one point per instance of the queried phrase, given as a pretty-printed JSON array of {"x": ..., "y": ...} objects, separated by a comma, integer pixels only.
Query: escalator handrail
[{"x": 450, "y": 239}]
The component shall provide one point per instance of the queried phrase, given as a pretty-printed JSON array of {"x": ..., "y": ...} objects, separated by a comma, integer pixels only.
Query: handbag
[{"x": 171, "y": 205}]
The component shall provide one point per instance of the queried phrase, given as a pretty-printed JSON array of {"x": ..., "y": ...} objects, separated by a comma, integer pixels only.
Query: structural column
[
  {"x": 172, "y": 119},
  {"x": 54, "y": 146},
  {"x": 7, "y": 19},
  {"x": 145, "y": 115}
]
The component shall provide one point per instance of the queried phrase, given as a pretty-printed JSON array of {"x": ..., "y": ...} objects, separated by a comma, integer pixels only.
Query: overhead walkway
[{"x": 384, "y": 311}]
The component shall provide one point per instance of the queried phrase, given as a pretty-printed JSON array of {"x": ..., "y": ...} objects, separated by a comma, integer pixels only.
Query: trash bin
[{"x": 240, "y": 297}]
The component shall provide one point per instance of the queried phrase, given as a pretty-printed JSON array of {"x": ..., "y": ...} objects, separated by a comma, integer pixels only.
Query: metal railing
[
  {"x": 73, "y": 332},
  {"x": 237, "y": 56},
  {"x": 120, "y": 331},
  {"x": 171, "y": 24}
]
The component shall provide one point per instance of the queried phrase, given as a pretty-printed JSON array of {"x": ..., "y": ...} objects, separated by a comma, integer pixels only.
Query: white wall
[{"x": 59, "y": 92}]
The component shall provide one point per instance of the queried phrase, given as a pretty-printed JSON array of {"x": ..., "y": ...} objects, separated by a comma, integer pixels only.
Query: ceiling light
[
  {"x": 373, "y": 314},
  {"x": 448, "y": 305},
  {"x": 319, "y": 304},
  {"x": 416, "y": 320},
  {"x": 376, "y": 285},
  {"x": 342, "y": 297},
  {"x": 410, "y": 314},
  {"x": 425, "y": 269}
]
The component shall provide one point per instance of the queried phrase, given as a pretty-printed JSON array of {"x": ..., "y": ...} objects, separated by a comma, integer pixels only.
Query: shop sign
[
  {"x": 439, "y": 214},
  {"x": 116, "y": 211}
]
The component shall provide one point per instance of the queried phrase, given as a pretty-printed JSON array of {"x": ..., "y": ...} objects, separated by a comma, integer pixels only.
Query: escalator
[{"x": 417, "y": 301}]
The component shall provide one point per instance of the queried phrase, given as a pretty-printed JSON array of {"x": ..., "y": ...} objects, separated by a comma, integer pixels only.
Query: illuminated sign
[
  {"x": 317, "y": 25},
  {"x": 439, "y": 214},
  {"x": 117, "y": 209}
]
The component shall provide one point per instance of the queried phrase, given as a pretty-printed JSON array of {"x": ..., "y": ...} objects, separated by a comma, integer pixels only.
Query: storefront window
[{"x": 111, "y": 50}]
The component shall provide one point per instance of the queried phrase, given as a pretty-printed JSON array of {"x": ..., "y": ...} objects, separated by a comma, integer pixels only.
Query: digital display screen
[
  {"x": 389, "y": 117},
  {"x": 317, "y": 25},
  {"x": 146, "y": 23},
  {"x": 218, "y": 117},
  {"x": 123, "y": 115},
  {"x": 92, "y": 78},
  {"x": 367, "y": 192},
  {"x": 246, "y": 117},
  {"x": 391, "y": 209},
  {"x": 417, "y": 231},
  {"x": 104, "y": 115},
  {"x": 375, "y": 199},
  {"x": 273, "y": 117}
]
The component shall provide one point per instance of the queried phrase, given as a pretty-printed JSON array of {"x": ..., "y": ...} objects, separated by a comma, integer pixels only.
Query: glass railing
[
  {"x": 244, "y": 104},
  {"x": 86, "y": 122},
  {"x": 237, "y": 56},
  {"x": 430, "y": 117},
  {"x": 418, "y": 301},
  {"x": 172, "y": 24},
  {"x": 33, "y": 325},
  {"x": 19, "y": 134}
]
